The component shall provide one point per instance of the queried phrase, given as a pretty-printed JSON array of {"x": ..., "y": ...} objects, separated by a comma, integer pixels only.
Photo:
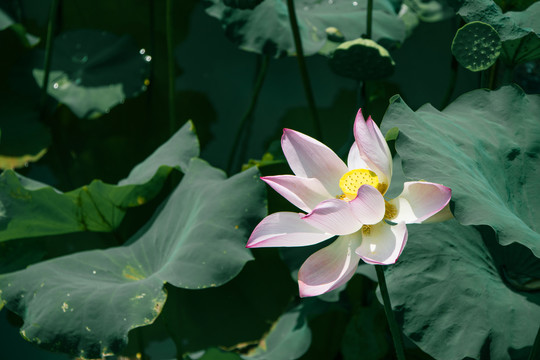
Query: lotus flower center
[{"x": 354, "y": 179}]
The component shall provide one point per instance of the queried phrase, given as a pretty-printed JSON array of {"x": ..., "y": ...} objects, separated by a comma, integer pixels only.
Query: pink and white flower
[{"x": 347, "y": 201}]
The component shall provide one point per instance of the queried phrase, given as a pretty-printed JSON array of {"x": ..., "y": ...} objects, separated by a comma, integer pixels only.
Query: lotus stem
[
  {"x": 453, "y": 69},
  {"x": 452, "y": 83},
  {"x": 170, "y": 65},
  {"x": 303, "y": 70},
  {"x": 263, "y": 69},
  {"x": 394, "y": 329},
  {"x": 48, "y": 54},
  {"x": 369, "y": 22},
  {"x": 492, "y": 75}
]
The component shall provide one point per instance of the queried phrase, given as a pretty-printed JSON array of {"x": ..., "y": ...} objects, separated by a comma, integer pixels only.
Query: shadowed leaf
[
  {"x": 266, "y": 29},
  {"x": 30, "y": 208}
]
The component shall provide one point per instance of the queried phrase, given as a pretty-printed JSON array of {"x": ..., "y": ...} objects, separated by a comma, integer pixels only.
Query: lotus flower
[{"x": 347, "y": 201}]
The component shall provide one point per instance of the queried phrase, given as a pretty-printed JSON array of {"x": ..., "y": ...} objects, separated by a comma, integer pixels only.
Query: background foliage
[{"x": 119, "y": 233}]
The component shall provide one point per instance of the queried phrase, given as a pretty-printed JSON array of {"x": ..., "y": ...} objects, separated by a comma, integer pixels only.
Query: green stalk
[
  {"x": 394, "y": 329},
  {"x": 535, "y": 351},
  {"x": 249, "y": 112},
  {"x": 151, "y": 50},
  {"x": 492, "y": 75},
  {"x": 369, "y": 18},
  {"x": 170, "y": 65},
  {"x": 452, "y": 83},
  {"x": 48, "y": 54},
  {"x": 303, "y": 70},
  {"x": 453, "y": 69}
]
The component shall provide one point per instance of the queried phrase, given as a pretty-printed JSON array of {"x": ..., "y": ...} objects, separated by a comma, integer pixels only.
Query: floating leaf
[
  {"x": 446, "y": 289},
  {"x": 362, "y": 59},
  {"x": 92, "y": 71},
  {"x": 476, "y": 46},
  {"x": 519, "y": 31},
  {"x": 31, "y": 208},
  {"x": 485, "y": 147},
  {"x": 84, "y": 304},
  {"x": 266, "y": 29}
]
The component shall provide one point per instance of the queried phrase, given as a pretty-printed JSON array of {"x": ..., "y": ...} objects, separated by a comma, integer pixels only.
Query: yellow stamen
[
  {"x": 354, "y": 179},
  {"x": 366, "y": 229},
  {"x": 382, "y": 187},
  {"x": 390, "y": 211}
]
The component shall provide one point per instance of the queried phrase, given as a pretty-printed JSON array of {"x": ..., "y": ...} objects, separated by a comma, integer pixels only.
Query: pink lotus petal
[
  {"x": 420, "y": 200},
  {"x": 373, "y": 148},
  {"x": 304, "y": 193},
  {"x": 334, "y": 217},
  {"x": 368, "y": 206},
  {"x": 330, "y": 267},
  {"x": 383, "y": 244},
  {"x": 285, "y": 229},
  {"x": 310, "y": 158},
  {"x": 354, "y": 160}
]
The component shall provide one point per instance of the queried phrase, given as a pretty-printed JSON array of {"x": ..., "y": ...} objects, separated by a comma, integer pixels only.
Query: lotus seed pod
[
  {"x": 362, "y": 59},
  {"x": 242, "y": 4},
  {"x": 476, "y": 46},
  {"x": 333, "y": 34}
]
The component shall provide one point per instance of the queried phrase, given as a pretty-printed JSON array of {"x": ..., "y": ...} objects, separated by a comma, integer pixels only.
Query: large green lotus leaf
[
  {"x": 84, "y": 304},
  {"x": 519, "y": 31},
  {"x": 92, "y": 71},
  {"x": 485, "y": 147},
  {"x": 30, "y": 208},
  {"x": 446, "y": 289},
  {"x": 266, "y": 29}
]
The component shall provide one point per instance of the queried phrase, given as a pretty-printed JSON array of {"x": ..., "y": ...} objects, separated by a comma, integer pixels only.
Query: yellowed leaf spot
[{"x": 15, "y": 162}]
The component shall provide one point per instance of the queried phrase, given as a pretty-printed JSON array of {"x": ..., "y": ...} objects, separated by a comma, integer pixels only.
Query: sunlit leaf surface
[
  {"x": 267, "y": 30},
  {"x": 84, "y": 304},
  {"x": 484, "y": 146},
  {"x": 30, "y": 208}
]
